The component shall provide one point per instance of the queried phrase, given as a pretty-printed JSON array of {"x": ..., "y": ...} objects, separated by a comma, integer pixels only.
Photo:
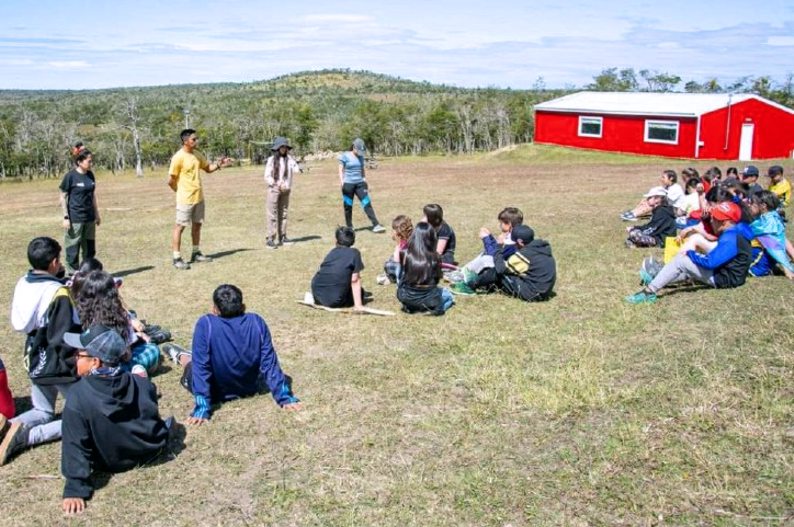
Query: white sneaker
[
  {"x": 378, "y": 228},
  {"x": 308, "y": 298},
  {"x": 382, "y": 279}
]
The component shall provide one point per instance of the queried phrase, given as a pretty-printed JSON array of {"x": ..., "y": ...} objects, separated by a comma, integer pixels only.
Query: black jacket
[
  {"x": 111, "y": 424},
  {"x": 662, "y": 224},
  {"x": 529, "y": 273}
]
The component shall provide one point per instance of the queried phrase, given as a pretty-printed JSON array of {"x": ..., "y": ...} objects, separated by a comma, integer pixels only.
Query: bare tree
[{"x": 132, "y": 121}]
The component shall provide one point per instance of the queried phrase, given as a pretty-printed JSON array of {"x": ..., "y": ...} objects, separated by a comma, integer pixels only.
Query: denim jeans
[{"x": 41, "y": 418}]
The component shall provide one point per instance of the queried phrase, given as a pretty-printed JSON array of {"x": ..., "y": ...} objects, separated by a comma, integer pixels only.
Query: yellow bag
[{"x": 671, "y": 247}]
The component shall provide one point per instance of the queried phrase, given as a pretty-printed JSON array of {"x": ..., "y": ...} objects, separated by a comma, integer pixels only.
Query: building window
[
  {"x": 661, "y": 132},
  {"x": 590, "y": 126}
]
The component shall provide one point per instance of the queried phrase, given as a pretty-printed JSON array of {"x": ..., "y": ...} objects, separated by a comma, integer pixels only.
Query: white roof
[{"x": 645, "y": 103}]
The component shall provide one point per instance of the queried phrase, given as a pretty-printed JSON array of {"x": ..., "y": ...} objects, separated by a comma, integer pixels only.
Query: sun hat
[
  {"x": 278, "y": 142},
  {"x": 656, "y": 191}
]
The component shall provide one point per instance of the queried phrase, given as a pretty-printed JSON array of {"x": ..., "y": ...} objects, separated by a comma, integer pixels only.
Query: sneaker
[
  {"x": 175, "y": 352},
  {"x": 270, "y": 244},
  {"x": 4, "y": 424},
  {"x": 469, "y": 276},
  {"x": 199, "y": 256},
  {"x": 462, "y": 289},
  {"x": 649, "y": 269},
  {"x": 378, "y": 228},
  {"x": 454, "y": 277},
  {"x": 642, "y": 297},
  {"x": 180, "y": 264},
  {"x": 628, "y": 216},
  {"x": 14, "y": 442},
  {"x": 382, "y": 279},
  {"x": 286, "y": 241},
  {"x": 140, "y": 371}
]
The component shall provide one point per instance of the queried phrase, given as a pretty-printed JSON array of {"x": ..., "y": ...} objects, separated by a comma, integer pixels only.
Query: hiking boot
[
  {"x": 286, "y": 241},
  {"x": 14, "y": 442},
  {"x": 378, "y": 228},
  {"x": 159, "y": 336},
  {"x": 641, "y": 297},
  {"x": 199, "y": 256},
  {"x": 649, "y": 269},
  {"x": 176, "y": 352},
  {"x": 462, "y": 289},
  {"x": 270, "y": 244},
  {"x": 180, "y": 264}
]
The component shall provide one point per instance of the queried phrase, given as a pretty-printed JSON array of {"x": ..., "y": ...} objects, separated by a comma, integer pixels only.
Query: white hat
[{"x": 657, "y": 191}]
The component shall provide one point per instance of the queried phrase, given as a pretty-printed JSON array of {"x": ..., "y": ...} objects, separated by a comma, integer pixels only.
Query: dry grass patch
[{"x": 579, "y": 411}]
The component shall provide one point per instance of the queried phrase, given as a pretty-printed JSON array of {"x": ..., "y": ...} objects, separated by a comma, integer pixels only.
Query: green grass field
[{"x": 579, "y": 411}]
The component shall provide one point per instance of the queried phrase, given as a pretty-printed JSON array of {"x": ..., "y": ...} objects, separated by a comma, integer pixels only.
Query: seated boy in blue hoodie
[
  {"x": 111, "y": 421},
  {"x": 232, "y": 357}
]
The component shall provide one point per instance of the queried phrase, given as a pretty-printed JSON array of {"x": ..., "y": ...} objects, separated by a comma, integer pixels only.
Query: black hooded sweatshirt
[
  {"x": 529, "y": 273},
  {"x": 662, "y": 224},
  {"x": 111, "y": 424}
]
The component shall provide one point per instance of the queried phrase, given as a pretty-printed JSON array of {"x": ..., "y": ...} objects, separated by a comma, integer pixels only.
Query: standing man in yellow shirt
[{"x": 185, "y": 180}]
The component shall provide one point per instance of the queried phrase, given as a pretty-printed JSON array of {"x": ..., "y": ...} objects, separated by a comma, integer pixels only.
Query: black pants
[{"x": 349, "y": 191}]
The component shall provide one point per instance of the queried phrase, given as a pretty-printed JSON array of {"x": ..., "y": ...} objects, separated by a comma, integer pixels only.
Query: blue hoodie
[{"x": 233, "y": 357}]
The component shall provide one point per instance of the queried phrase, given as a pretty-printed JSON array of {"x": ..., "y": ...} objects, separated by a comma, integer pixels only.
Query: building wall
[
  {"x": 773, "y": 135},
  {"x": 618, "y": 134}
]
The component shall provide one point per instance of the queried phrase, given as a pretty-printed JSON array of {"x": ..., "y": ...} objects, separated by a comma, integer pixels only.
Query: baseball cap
[
  {"x": 774, "y": 170},
  {"x": 750, "y": 171},
  {"x": 523, "y": 233},
  {"x": 656, "y": 191},
  {"x": 99, "y": 341},
  {"x": 358, "y": 144},
  {"x": 727, "y": 211}
]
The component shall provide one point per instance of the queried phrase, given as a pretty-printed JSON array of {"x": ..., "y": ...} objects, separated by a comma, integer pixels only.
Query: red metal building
[{"x": 685, "y": 125}]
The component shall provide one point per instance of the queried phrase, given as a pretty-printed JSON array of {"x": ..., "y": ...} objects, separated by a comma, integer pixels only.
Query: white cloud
[
  {"x": 69, "y": 64},
  {"x": 348, "y": 19},
  {"x": 780, "y": 41}
]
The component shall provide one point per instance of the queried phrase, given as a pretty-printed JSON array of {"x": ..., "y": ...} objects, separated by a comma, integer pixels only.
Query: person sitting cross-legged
[
  {"x": 725, "y": 266},
  {"x": 111, "y": 421},
  {"x": 232, "y": 357}
]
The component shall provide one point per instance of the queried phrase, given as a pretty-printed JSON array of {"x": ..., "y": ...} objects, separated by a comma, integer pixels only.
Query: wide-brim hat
[{"x": 278, "y": 142}]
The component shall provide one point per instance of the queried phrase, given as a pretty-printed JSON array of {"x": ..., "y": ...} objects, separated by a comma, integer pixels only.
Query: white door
[{"x": 746, "y": 142}]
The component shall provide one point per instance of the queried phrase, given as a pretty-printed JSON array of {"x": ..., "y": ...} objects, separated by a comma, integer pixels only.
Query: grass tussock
[{"x": 579, "y": 411}]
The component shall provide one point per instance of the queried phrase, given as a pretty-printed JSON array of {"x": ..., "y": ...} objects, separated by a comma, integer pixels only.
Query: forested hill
[{"x": 318, "y": 111}]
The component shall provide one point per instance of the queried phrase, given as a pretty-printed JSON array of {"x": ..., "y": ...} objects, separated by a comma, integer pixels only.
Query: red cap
[{"x": 727, "y": 211}]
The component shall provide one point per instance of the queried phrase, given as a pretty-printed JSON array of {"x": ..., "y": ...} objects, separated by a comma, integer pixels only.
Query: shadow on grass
[
  {"x": 690, "y": 288},
  {"x": 230, "y": 252},
  {"x": 22, "y": 404},
  {"x": 135, "y": 270},
  {"x": 306, "y": 238}
]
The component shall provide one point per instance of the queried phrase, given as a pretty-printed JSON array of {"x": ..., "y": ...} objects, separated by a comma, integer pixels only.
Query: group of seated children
[
  {"x": 514, "y": 263},
  {"x": 739, "y": 231},
  {"x": 81, "y": 343}
]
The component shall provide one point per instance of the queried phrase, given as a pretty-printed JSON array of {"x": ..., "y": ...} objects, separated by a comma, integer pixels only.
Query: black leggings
[{"x": 349, "y": 191}]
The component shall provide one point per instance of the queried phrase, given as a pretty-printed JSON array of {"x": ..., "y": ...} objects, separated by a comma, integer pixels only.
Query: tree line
[{"x": 137, "y": 128}]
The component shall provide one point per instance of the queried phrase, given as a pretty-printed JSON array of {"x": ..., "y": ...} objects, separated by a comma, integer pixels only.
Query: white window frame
[
  {"x": 656, "y": 122},
  {"x": 591, "y": 119}
]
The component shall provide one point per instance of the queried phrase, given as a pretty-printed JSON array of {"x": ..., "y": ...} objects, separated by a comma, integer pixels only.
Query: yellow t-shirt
[
  {"x": 187, "y": 167},
  {"x": 783, "y": 190}
]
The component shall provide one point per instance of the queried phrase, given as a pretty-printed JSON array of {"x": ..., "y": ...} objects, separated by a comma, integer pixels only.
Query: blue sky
[{"x": 83, "y": 44}]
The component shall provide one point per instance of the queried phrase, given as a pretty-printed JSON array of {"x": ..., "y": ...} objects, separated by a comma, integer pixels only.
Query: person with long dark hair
[
  {"x": 80, "y": 211},
  {"x": 279, "y": 169},
  {"x": 99, "y": 302},
  {"x": 352, "y": 178},
  {"x": 418, "y": 289}
]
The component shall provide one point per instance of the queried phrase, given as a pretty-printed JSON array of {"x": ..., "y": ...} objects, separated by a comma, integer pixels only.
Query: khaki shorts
[{"x": 187, "y": 214}]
